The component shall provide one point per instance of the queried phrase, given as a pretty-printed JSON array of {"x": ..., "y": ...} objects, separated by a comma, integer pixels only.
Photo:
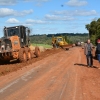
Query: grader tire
[
  {"x": 22, "y": 55},
  {"x": 37, "y": 51},
  {"x": 28, "y": 53}
]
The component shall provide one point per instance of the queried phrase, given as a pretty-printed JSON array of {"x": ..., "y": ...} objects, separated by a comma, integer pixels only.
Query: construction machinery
[
  {"x": 15, "y": 44},
  {"x": 60, "y": 42}
]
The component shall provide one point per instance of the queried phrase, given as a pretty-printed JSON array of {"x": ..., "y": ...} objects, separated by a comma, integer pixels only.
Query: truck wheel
[
  {"x": 22, "y": 55},
  {"x": 1, "y": 62},
  {"x": 4, "y": 62},
  {"x": 28, "y": 53},
  {"x": 37, "y": 51}
]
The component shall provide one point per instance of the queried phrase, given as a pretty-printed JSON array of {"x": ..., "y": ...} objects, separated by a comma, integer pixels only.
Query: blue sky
[{"x": 49, "y": 16}]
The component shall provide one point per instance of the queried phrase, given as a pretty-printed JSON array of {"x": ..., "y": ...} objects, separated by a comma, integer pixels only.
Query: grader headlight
[{"x": 2, "y": 47}]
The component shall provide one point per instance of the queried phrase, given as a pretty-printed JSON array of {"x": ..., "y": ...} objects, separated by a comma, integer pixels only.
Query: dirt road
[{"x": 61, "y": 76}]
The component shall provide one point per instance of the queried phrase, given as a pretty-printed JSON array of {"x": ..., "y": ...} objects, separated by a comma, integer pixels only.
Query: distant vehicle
[
  {"x": 82, "y": 44},
  {"x": 78, "y": 43}
]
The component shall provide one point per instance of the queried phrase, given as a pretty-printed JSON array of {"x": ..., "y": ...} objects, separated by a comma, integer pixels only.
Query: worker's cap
[{"x": 98, "y": 41}]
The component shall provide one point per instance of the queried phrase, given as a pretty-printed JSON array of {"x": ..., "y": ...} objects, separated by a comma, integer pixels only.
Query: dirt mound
[
  {"x": 32, "y": 47},
  {"x": 42, "y": 49}
]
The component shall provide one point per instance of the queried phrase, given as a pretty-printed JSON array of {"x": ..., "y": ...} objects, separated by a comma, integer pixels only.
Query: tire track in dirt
[
  {"x": 22, "y": 69},
  {"x": 28, "y": 74},
  {"x": 18, "y": 94},
  {"x": 58, "y": 78},
  {"x": 73, "y": 85},
  {"x": 39, "y": 67},
  {"x": 52, "y": 91}
]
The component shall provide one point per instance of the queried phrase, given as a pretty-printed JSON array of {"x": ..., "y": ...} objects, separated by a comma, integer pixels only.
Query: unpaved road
[
  {"x": 14, "y": 66},
  {"x": 61, "y": 76}
]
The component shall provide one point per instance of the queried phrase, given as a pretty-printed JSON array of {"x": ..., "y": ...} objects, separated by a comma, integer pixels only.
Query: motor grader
[
  {"x": 59, "y": 41},
  {"x": 15, "y": 45}
]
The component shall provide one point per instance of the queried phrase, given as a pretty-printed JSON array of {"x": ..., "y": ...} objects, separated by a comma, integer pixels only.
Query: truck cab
[{"x": 19, "y": 31}]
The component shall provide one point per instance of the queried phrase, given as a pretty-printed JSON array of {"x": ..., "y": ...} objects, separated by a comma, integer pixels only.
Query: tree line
[
  {"x": 94, "y": 30},
  {"x": 69, "y": 37}
]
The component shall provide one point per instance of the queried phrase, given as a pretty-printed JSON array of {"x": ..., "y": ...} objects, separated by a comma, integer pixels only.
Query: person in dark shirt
[{"x": 98, "y": 50}]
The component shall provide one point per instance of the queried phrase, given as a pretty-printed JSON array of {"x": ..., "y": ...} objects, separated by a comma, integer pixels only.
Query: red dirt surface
[
  {"x": 58, "y": 76},
  {"x": 15, "y": 65}
]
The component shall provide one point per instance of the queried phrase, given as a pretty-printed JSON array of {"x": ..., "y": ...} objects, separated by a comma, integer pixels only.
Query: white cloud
[
  {"x": 31, "y": 21},
  {"x": 85, "y": 13},
  {"x": 58, "y": 18},
  {"x": 6, "y": 12},
  {"x": 7, "y": 2},
  {"x": 24, "y": 12},
  {"x": 12, "y": 21},
  {"x": 37, "y": 0},
  {"x": 76, "y": 3},
  {"x": 10, "y": 12},
  {"x": 13, "y": 2},
  {"x": 76, "y": 13}
]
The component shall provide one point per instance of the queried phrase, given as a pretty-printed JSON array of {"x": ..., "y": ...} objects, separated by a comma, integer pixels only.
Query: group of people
[{"x": 88, "y": 48}]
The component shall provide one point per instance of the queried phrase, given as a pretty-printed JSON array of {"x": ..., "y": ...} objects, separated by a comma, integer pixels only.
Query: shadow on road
[
  {"x": 85, "y": 65},
  {"x": 80, "y": 64}
]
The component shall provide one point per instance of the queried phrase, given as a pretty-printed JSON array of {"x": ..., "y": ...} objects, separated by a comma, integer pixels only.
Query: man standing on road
[
  {"x": 98, "y": 50},
  {"x": 88, "y": 52}
]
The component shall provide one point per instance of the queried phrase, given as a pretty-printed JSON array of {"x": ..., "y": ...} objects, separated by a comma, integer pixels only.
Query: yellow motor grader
[
  {"x": 15, "y": 44},
  {"x": 59, "y": 41}
]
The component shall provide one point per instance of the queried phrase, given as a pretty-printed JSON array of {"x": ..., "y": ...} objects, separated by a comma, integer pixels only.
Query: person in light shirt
[{"x": 88, "y": 52}]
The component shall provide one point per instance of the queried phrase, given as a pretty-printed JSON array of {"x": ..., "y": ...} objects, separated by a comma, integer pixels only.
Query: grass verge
[{"x": 44, "y": 45}]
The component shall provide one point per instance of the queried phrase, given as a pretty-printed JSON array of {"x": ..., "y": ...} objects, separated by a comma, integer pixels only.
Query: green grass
[{"x": 44, "y": 45}]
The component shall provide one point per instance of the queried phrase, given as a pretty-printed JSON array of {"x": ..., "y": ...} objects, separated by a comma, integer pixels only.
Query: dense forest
[
  {"x": 69, "y": 37},
  {"x": 94, "y": 30}
]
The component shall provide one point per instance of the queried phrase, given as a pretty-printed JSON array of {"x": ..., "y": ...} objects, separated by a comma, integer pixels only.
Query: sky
[{"x": 49, "y": 16}]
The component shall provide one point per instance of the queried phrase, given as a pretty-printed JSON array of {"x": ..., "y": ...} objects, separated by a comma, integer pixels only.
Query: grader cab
[{"x": 16, "y": 44}]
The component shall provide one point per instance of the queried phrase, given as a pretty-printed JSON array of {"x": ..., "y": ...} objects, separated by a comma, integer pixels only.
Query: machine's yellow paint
[{"x": 59, "y": 41}]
